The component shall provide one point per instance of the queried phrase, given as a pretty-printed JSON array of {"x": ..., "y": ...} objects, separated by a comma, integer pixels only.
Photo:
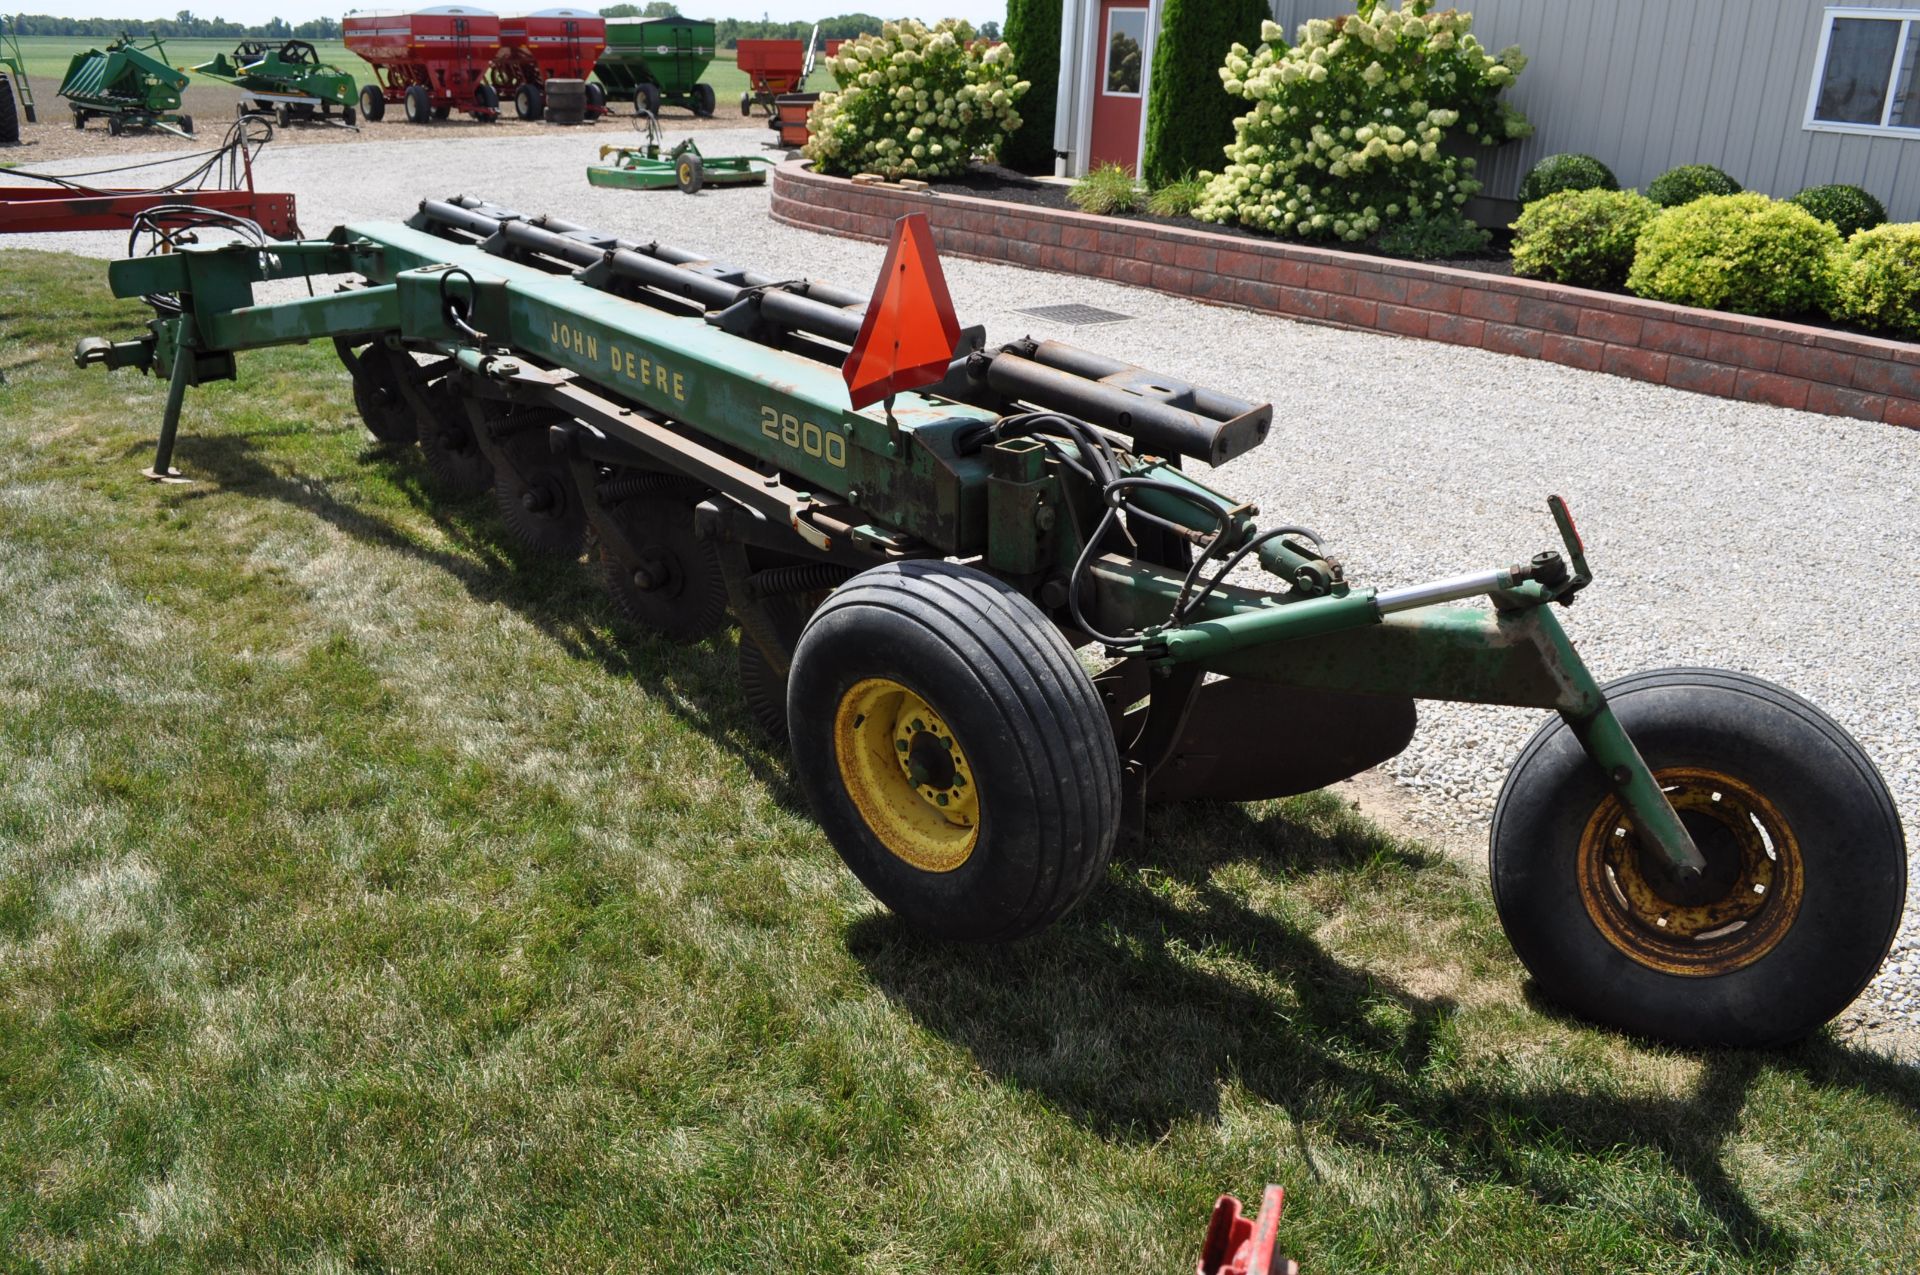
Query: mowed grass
[
  {"x": 48, "y": 56},
  {"x": 371, "y": 899}
]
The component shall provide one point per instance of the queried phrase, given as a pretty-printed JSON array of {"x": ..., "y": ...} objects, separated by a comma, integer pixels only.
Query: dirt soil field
[{"x": 213, "y": 108}]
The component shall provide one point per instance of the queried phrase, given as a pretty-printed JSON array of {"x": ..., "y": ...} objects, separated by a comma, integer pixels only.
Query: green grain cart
[
  {"x": 130, "y": 86},
  {"x": 13, "y": 75},
  {"x": 654, "y": 61}
]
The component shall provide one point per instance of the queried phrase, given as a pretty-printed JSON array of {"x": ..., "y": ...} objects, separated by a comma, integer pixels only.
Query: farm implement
[
  {"x": 286, "y": 80},
  {"x": 130, "y": 86},
  {"x": 655, "y": 62},
  {"x": 541, "y": 51},
  {"x": 773, "y": 68},
  {"x": 995, "y": 618},
  {"x": 430, "y": 63},
  {"x": 644, "y": 167},
  {"x": 13, "y": 78}
]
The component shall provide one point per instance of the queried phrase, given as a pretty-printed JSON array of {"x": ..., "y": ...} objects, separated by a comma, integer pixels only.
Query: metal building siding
[{"x": 1646, "y": 85}]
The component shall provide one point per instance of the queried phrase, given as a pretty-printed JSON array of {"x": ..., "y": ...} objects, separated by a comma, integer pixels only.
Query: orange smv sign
[{"x": 910, "y": 331}]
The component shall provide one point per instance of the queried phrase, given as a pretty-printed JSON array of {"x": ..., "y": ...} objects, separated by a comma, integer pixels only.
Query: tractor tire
[
  {"x": 529, "y": 101},
  {"x": 283, "y": 116},
  {"x": 420, "y": 107},
  {"x": 647, "y": 98},
  {"x": 953, "y": 750},
  {"x": 1805, "y": 879},
  {"x": 9, "y": 114},
  {"x": 690, "y": 173},
  {"x": 373, "y": 104},
  {"x": 704, "y": 101}
]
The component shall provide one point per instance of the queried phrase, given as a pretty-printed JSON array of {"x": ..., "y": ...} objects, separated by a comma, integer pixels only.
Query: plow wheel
[
  {"x": 376, "y": 389},
  {"x": 534, "y": 488},
  {"x": 1802, "y": 889},
  {"x": 953, "y": 750},
  {"x": 454, "y": 459},
  {"x": 674, "y": 585}
]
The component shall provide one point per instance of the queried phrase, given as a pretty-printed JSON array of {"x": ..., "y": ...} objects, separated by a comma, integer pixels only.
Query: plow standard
[{"x": 922, "y": 583}]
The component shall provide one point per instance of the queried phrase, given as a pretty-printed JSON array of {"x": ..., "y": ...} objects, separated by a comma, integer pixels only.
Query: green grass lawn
[
  {"x": 370, "y": 898},
  {"x": 47, "y": 57}
]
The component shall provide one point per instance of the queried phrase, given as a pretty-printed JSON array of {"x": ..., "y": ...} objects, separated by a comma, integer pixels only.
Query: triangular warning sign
[{"x": 910, "y": 331}]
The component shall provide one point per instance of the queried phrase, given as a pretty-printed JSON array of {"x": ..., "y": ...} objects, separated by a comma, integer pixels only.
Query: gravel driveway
[{"x": 1756, "y": 538}]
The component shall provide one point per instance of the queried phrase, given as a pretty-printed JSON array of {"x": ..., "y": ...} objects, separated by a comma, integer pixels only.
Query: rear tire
[
  {"x": 1806, "y": 874},
  {"x": 9, "y": 114},
  {"x": 373, "y": 104},
  {"x": 419, "y": 104},
  {"x": 529, "y": 101},
  {"x": 647, "y": 98},
  {"x": 953, "y": 750},
  {"x": 283, "y": 116},
  {"x": 704, "y": 101}
]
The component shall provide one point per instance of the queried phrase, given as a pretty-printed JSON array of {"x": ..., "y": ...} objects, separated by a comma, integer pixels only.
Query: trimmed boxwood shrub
[
  {"x": 1033, "y": 33},
  {"x": 1581, "y": 237},
  {"x": 1189, "y": 115},
  {"x": 1689, "y": 182},
  {"x": 1745, "y": 253},
  {"x": 1566, "y": 172},
  {"x": 1877, "y": 280},
  {"x": 1847, "y": 208}
]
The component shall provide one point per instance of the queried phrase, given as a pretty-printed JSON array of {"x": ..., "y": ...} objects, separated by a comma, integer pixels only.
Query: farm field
[{"x": 371, "y": 897}]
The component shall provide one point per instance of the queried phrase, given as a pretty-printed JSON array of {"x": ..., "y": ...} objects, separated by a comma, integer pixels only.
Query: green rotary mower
[
  {"x": 995, "y": 618},
  {"x": 129, "y": 85},
  {"x": 646, "y": 167},
  {"x": 287, "y": 80}
]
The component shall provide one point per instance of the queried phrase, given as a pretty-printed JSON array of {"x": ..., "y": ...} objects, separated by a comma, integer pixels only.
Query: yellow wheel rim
[
  {"x": 1743, "y": 904},
  {"x": 907, "y": 775}
]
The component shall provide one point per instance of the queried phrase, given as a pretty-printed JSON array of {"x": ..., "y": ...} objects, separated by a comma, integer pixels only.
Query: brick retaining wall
[{"x": 1733, "y": 356}]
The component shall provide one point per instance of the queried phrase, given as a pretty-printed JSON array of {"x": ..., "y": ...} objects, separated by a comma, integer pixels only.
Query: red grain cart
[
  {"x": 772, "y": 67},
  {"x": 432, "y": 62},
  {"x": 557, "y": 44}
]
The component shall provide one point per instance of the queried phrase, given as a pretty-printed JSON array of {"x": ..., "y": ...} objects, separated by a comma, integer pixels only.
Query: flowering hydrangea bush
[
  {"x": 1348, "y": 126},
  {"x": 915, "y": 102}
]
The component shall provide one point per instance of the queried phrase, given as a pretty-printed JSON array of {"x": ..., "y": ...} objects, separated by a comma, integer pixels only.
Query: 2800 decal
[{"x": 804, "y": 436}]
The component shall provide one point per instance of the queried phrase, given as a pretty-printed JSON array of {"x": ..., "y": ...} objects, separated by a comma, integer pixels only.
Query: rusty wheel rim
[{"x": 1740, "y": 908}]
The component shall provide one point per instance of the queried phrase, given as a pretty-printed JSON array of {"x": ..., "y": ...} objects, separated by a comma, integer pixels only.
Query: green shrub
[
  {"x": 1566, "y": 172},
  {"x": 1745, "y": 253},
  {"x": 1189, "y": 115},
  {"x": 914, "y": 101},
  {"x": 1178, "y": 197},
  {"x": 1347, "y": 128},
  {"x": 1581, "y": 237},
  {"x": 1689, "y": 182},
  {"x": 1847, "y": 208},
  {"x": 1877, "y": 279},
  {"x": 1033, "y": 33},
  {"x": 1433, "y": 238},
  {"x": 1107, "y": 190}
]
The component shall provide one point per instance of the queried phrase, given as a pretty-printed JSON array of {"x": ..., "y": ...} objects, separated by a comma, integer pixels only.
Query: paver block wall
[{"x": 1759, "y": 360}]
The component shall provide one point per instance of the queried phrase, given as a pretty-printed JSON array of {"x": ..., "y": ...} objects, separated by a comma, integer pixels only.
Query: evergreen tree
[
  {"x": 1189, "y": 115},
  {"x": 1033, "y": 32}
]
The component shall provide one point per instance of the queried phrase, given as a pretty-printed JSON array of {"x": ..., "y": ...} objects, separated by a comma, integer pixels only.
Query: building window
[
  {"x": 1866, "y": 77},
  {"x": 1126, "y": 36}
]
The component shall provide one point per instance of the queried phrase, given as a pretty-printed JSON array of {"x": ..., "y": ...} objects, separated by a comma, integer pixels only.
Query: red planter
[{"x": 1706, "y": 351}]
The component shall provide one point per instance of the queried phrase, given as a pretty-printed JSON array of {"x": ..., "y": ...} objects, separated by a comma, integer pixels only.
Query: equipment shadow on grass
[
  {"x": 1138, "y": 1011},
  {"x": 567, "y": 606}
]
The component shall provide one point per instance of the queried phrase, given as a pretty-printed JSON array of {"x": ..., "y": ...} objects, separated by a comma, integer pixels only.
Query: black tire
[
  {"x": 690, "y": 173},
  {"x": 186, "y": 125},
  {"x": 80, "y": 119},
  {"x": 347, "y": 116},
  {"x": 746, "y": 103},
  {"x": 596, "y": 99},
  {"x": 373, "y": 104},
  {"x": 704, "y": 101},
  {"x": 996, "y": 693},
  {"x": 529, "y": 101},
  {"x": 114, "y": 126},
  {"x": 420, "y": 107},
  {"x": 647, "y": 98},
  {"x": 283, "y": 116},
  {"x": 1737, "y": 754},
  {"x": 9, "y": 114}
]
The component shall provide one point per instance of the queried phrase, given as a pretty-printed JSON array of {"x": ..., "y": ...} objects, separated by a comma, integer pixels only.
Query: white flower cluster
[
  {"x": 1348, "y": 125},
  {"x": 915, "y": 102}
]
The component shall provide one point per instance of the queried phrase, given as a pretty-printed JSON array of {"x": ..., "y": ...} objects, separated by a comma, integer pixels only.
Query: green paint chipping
[{"x": 370, "y": 898}]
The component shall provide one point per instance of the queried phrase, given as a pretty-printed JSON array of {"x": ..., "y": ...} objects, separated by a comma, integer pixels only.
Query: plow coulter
[{"x": 993, "y": 615}]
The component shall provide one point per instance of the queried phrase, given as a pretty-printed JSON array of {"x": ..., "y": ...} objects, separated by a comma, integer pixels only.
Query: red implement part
[
  {"x": 551, "y": 44},
  {"x": 908, "y": 336},
  {"x": 1239, "y": 1245},
  {"x": 773, "y": 66},
  {"x": 28, "y": 210},
  {"x": 446, "y": 50}
]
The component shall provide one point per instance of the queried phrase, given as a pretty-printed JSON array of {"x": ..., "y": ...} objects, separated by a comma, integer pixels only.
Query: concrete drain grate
[{"x": 1078, "y": 316}]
